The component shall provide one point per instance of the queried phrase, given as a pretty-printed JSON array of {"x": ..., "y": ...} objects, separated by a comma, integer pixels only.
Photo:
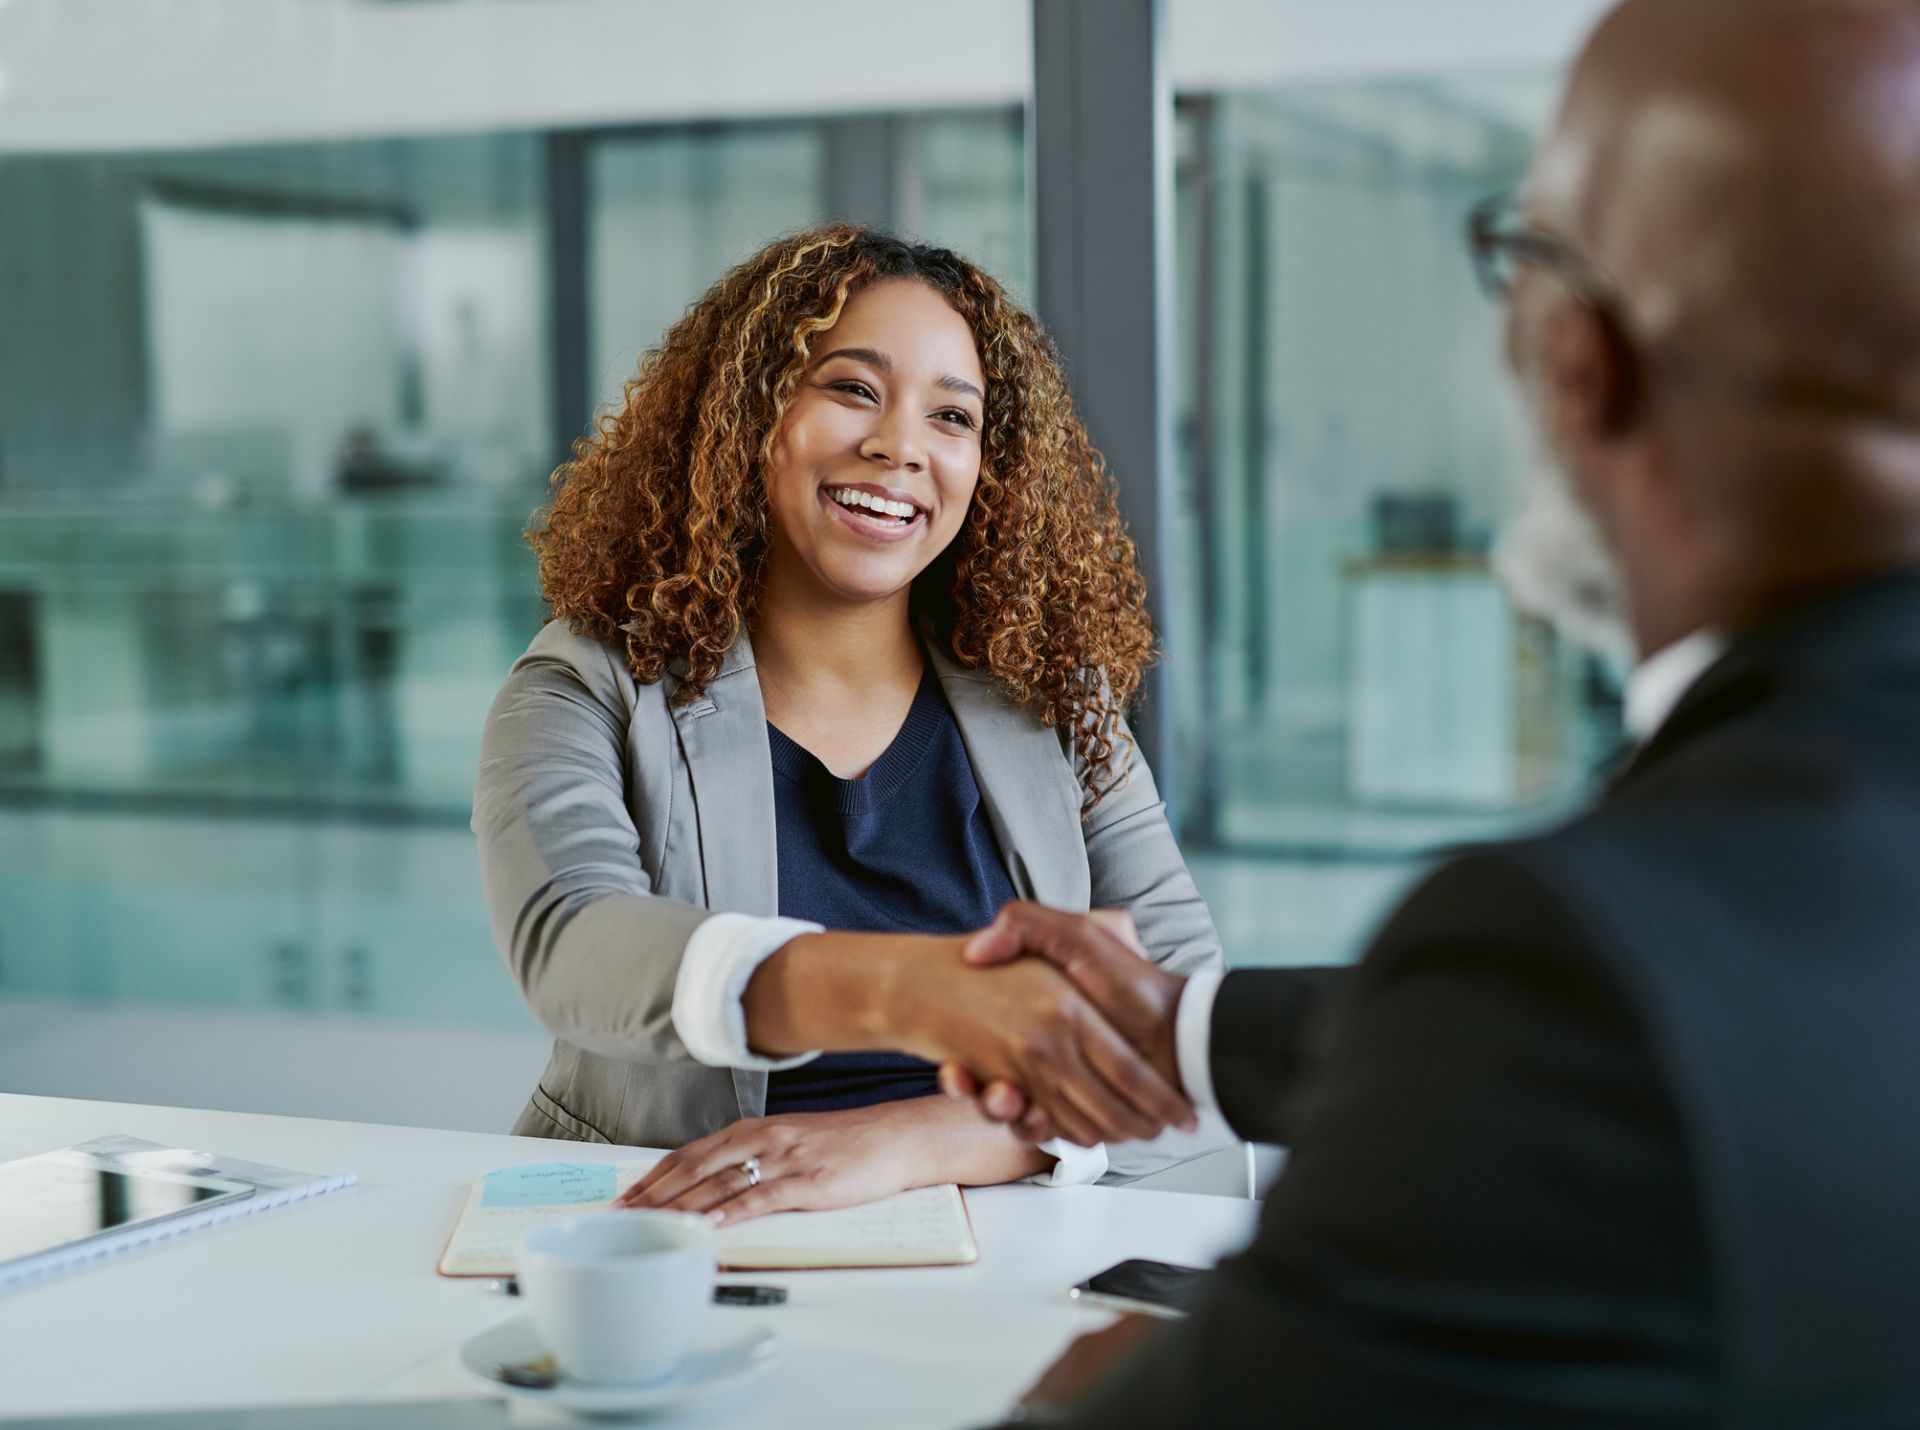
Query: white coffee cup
[{"x": 617, "y": 1296}]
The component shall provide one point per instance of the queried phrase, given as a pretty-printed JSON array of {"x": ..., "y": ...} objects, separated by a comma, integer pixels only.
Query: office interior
[{"x": 303, "y": 300}]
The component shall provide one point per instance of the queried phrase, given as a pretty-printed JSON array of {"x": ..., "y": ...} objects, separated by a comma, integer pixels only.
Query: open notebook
[{"x": 924, "y": 1227}]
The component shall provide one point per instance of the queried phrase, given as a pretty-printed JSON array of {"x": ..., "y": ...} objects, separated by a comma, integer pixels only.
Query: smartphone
[{"x": 1155, "y": 1288}]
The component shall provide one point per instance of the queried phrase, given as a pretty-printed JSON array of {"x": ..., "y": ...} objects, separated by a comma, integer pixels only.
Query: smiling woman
[{"x": 844, "y": 619}]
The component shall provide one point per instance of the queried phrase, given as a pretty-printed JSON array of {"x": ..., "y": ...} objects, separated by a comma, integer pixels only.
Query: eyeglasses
[{"x": 1501, "y": 239}]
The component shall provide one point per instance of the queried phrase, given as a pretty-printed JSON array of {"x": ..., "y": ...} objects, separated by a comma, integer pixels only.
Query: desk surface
[{"x": 337, "y": 1300}]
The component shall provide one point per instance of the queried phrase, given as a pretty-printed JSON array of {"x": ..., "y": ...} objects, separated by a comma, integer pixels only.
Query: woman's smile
[{"x": 874, "y": 513}]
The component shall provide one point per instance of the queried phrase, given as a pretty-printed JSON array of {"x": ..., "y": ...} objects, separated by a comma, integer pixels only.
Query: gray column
[
  {"x": 566, "y": 225},
  {"x": 1102, "y": 174}
]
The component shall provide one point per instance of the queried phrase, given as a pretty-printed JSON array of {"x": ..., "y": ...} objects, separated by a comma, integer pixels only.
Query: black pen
[{"x": 728, "y": 1295}]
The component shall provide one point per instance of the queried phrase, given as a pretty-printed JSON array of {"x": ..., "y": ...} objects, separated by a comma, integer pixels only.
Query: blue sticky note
[{"x": 548, "y": 1184}]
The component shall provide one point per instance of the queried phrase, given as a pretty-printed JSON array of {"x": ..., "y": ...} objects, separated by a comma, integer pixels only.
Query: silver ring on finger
[{"x": 752, "y": 1168}]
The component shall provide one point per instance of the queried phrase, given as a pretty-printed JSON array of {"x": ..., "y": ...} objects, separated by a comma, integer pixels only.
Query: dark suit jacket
[{"x": 1618, "y": 1126}]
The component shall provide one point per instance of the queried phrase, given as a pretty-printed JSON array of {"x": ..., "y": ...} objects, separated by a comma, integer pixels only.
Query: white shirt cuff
[
  {"x": 1193, "y": 1038},
  {"x": 1073, "y": 1166},
  {"x": 719, "y": 962}
]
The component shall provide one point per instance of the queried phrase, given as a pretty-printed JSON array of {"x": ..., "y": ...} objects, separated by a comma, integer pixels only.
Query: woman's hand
[
  {"x": 1101, "y": 953},
  {"x": 1098, "y": 1067},
  {"x": 807, "y": 1161}
]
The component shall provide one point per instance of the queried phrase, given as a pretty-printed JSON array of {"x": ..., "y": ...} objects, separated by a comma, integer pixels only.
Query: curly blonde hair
[{"x": 657, "y": 532}]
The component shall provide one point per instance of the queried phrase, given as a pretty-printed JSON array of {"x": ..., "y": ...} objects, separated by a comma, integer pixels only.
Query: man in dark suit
[{"x": 1620, "y": 1126}]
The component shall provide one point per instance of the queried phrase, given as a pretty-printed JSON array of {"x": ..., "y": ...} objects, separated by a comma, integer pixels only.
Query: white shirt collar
[{"x": 1660, "y": 681}]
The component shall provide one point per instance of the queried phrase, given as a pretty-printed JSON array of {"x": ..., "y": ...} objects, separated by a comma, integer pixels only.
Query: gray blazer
[{"x": 612, "y": 822}]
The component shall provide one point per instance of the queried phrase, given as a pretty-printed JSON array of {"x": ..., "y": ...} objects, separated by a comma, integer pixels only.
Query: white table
[{"x": 337, "y": 1300}]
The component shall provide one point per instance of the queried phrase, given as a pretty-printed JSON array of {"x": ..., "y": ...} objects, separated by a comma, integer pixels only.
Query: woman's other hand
[{"x": 807, "y": 1161}]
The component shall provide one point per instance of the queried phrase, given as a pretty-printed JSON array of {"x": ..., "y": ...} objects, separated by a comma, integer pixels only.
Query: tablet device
[{"x": 68, "y": 1197}]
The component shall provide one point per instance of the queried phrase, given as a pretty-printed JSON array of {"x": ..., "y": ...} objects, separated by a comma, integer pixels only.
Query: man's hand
[
  {"x": 1088, "y": 1361},
  {"x": 1020, "y": 1022},
  {"x": 1100, "y": 952}
]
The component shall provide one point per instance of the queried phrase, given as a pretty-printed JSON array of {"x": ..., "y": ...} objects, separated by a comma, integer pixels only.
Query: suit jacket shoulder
[{"x": 1617, "y": 1126}]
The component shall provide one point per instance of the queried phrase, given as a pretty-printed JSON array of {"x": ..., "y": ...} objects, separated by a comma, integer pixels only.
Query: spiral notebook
[
  {"x": 96, "y": 1198},
  {"x": 927, "y": 1226}
]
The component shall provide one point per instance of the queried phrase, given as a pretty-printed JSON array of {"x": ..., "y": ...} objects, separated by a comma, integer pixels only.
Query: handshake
[
  {"x": 1054, "y": 1023},
  {"x": 1095, "y": 1058}
]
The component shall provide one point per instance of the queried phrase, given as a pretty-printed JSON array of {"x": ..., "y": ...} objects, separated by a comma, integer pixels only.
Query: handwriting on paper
[{"x": 549, "y": 1184}]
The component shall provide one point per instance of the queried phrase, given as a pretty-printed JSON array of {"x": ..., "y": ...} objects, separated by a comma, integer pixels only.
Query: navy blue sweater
[{"x": 904, "y": 849}]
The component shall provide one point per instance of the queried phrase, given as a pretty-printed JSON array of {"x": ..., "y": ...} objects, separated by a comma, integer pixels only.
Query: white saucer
[{"x": 722, "y": 1355}]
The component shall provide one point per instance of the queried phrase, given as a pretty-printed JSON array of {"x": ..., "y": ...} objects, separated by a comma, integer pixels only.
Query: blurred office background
[{"x": 302, "y": 300}]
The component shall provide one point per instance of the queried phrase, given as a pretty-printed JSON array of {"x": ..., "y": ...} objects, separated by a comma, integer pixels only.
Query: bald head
[
  {"x": 1744, "y": 178},
  {"x": 1747, "y": 172}
]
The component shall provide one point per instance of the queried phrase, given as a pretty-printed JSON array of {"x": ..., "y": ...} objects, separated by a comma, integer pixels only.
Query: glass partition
[
  {"x": 1357, "y": 690},
  {"x": 279, "y": 415},
  {"x": 265, "y": 548}
]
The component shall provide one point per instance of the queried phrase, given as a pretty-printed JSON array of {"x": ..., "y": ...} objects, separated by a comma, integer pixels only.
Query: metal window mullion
[
  {"x": 1102, "y": 174},
  {"x": 566, "y": 254}
]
